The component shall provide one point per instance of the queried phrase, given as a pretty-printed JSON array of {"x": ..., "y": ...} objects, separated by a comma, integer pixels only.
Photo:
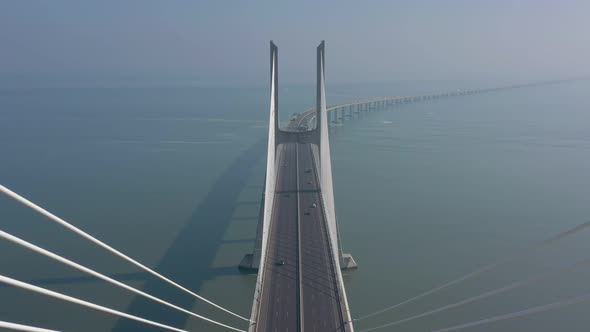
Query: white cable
[
  {"x": 26, "y": 328},
  {"x": 89, "y": 237},
  {"x": 33, "y": 288},
  {"x": 79, "y": 267},
  {"x": 484, "y": 295},
  {"x": 484, "y": 268},
  {"x": 529, "y": 311}
]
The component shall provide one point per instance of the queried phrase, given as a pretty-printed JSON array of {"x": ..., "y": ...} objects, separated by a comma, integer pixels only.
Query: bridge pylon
[
  {"x": 322, "y": 140},
  {"x": 318, "y": 136},
  {"x": 251, "y": 262}
]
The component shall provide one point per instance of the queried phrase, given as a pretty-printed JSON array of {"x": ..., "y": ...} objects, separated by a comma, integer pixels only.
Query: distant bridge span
[{"x": 337, "y": 112}]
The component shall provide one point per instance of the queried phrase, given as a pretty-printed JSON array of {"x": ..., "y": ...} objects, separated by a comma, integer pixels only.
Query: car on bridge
[{"x": 281, "y": 262}]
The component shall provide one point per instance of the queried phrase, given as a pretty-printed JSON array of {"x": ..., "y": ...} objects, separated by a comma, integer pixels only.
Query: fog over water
[
  {"x": 144, "y": 124},
  {"x": 227, "y": 41}
]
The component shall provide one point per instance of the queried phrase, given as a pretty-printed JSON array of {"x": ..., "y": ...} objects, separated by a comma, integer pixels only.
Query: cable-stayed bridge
[
  {"x": 298, "y": 253},
  {"x": 299, "y": 258}
]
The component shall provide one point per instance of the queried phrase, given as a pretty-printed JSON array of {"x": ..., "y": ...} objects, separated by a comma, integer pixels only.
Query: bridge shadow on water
[{"x": 190, "y": 256}]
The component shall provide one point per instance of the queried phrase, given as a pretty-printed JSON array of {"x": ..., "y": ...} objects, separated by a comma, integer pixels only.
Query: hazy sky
[{"x": 220, "y": 41}]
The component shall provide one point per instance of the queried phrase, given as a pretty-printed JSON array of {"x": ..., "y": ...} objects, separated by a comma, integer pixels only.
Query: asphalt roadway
[{"x": 302, "y": 294}]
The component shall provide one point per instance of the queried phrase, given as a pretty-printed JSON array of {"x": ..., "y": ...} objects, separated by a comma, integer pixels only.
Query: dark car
[{"x": 281, "y": 262}]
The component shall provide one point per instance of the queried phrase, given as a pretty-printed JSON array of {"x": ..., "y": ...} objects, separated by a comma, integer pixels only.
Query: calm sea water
[{"x": 173, "y": 176}]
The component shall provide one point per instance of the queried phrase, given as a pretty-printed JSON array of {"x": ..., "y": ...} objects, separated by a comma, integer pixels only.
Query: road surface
[{"x": 302, "y": 294}]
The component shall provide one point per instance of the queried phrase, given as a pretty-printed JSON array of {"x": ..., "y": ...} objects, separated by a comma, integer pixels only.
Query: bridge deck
[{"x": 302, "y": 294}]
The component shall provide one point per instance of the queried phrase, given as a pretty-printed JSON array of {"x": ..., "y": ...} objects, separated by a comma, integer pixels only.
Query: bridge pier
[
  {"x": 333, "y": 115},
  {"x": 347, "y": 262},
  {"x": 248, "y": 265}
]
